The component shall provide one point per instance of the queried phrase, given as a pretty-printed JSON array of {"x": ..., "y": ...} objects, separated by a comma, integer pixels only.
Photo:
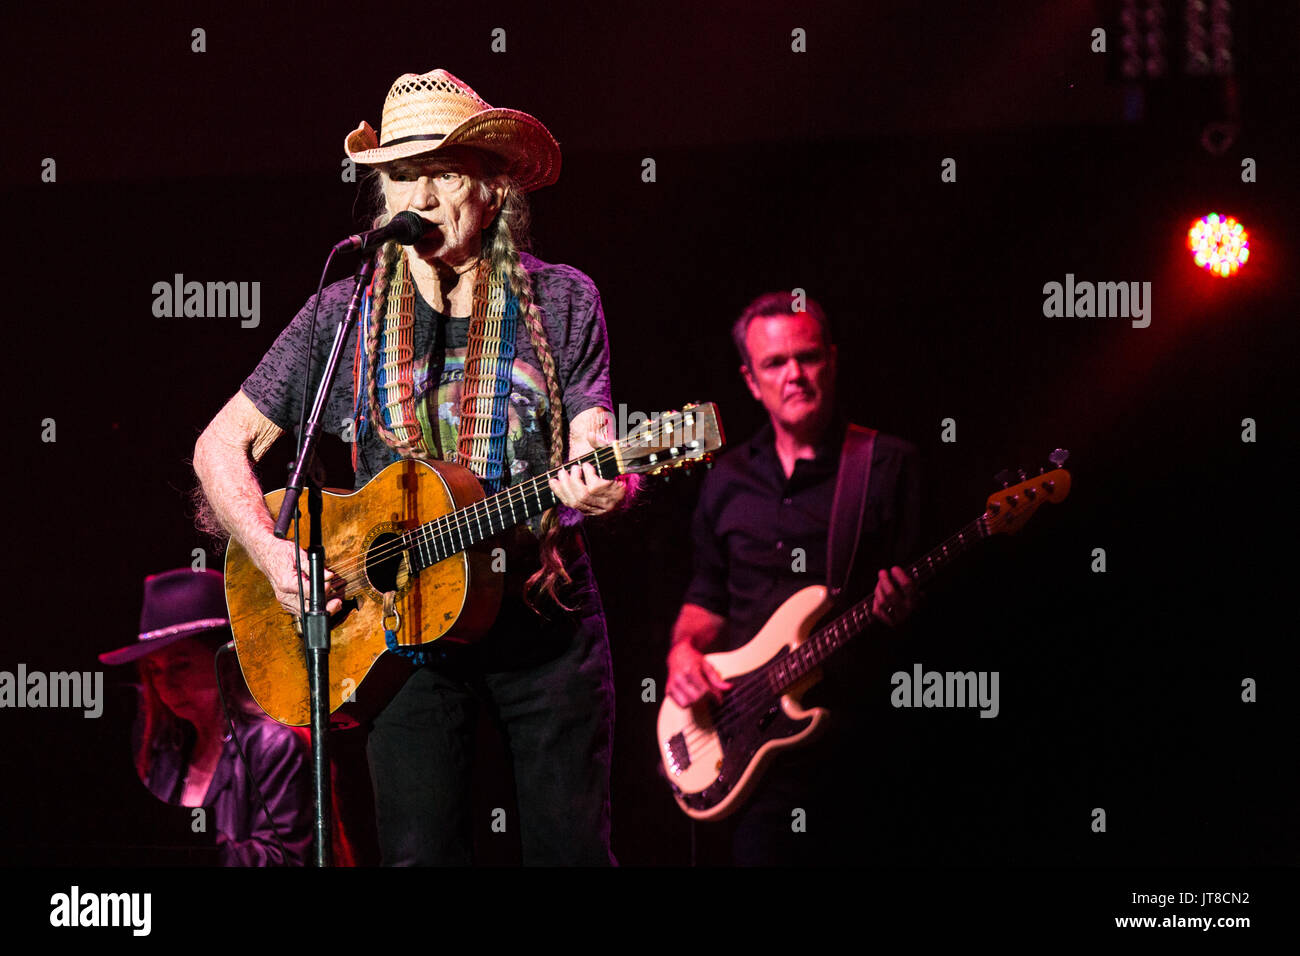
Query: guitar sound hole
[{"x": 383, "y": 561}]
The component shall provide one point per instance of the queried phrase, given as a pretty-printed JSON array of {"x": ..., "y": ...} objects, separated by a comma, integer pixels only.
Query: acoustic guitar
[
  {"x": 414, "y": 546},
  {"x": 714, "y": 752}
]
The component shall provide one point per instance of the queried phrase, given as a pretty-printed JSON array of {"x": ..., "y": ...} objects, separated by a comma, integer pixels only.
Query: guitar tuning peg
[
  {"x": 1059, "y": 457},
  {"x": 1003, "y": 478},
  {"x": 1023, "y": 476}
]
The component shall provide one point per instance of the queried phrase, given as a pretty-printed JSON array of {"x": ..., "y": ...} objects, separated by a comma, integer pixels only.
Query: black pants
[
  {"x": 817, "y": 805},
  {"x": 558, "y": 717},
  {"x": 792, "y": 819}
]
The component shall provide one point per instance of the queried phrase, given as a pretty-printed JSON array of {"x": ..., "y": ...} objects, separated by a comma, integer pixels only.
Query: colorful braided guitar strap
[{"x": 485, "y": 393}]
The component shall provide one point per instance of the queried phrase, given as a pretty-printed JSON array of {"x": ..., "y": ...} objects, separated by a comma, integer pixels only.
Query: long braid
[
  {"x": 547, "y": 578},
  {"x": 501, "y": 245}
]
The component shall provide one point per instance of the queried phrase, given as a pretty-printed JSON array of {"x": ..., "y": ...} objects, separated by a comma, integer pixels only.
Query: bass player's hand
[
  {"x": 895, "y": 597},
  {"x": 691, "y": 677}
]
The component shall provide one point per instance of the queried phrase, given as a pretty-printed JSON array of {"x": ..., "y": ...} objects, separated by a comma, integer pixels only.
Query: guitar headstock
[
  {"x": 671, "y": 440},
  {"x": 1008, "y": 510}
]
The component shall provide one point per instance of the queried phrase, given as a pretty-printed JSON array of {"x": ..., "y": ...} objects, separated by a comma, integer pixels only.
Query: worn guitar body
[
  {"x": 419, "y": 537},
  {"x": 456, "y": 598},
  {"x": 713, "y": 768}
]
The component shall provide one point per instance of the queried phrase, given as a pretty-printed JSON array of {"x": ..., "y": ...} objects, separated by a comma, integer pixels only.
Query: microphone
[{"x": 407, "y": 228}]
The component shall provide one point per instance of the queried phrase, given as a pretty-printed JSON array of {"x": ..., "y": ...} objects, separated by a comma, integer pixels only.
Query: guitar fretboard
[
  {"x": 435, "y": 540},
  {"x": 790, "y": 668}
]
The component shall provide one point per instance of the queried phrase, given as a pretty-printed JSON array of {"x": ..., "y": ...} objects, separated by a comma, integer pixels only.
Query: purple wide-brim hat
[{"x": 177, "y": 604}]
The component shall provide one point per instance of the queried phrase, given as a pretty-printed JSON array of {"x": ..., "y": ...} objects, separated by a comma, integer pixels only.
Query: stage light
[{"x": 1219, "y": 244}]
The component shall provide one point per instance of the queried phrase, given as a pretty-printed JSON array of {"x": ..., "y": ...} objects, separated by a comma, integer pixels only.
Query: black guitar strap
[{"x": 849, "y": 506}]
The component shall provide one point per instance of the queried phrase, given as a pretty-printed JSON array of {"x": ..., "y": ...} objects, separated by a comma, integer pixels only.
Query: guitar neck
[
  {"x": 435, "y": 540},
  {"x": 820, "y": 645}
]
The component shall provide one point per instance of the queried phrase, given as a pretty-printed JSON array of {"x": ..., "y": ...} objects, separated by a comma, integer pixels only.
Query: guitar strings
[
  {"x": 757, "y": 688},
  {"x": 768, "y": 692},
  {"x": 739, "y": 704},
  {"x": 755, "y": 696},
  {"x": 463, "y": 519},
  {"x": 440, "y": 526}
]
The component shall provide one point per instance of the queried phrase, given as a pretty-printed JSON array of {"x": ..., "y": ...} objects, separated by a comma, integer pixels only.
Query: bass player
[{"x": 760, "y": 533}]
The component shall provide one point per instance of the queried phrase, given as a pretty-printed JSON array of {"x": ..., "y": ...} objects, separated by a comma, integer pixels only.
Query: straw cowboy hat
[
  {"x": 177, "y": 604},
  {"x": 427, "y": 112}
]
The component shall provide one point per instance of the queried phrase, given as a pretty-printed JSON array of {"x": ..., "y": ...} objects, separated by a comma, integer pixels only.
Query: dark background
[{"x": 775, "y": 170}]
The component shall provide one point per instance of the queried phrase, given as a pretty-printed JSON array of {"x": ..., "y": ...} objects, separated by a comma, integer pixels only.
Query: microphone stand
[{"x": 316, "y": 625}]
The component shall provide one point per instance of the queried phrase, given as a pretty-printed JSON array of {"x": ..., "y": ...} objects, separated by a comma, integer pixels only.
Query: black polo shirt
[{"x": 759, "y": 537}]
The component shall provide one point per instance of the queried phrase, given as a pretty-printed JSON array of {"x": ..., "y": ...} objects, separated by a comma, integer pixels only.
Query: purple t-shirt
[{"x": 575, "y": 327}]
